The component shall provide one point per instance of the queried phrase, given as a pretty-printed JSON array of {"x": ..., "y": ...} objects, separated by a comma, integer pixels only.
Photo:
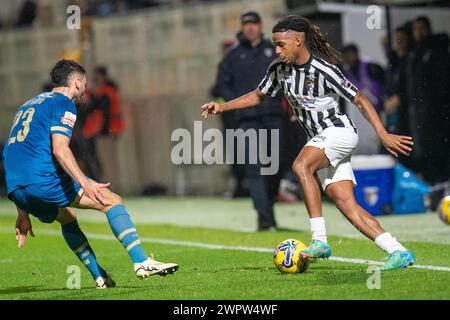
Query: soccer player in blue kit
[{"x": 43, "y": 178}]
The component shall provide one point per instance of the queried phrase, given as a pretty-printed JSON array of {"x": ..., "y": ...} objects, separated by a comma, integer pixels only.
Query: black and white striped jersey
[{"x": 312, "y": 90}]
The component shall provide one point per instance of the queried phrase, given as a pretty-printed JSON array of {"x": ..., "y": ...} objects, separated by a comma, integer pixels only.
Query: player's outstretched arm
[
  {"x": 393, "y": 143},
  {"x": 23, "y": 227},
  {"x": 65, "y": 157},
  {"x": 248, "y": 100}
]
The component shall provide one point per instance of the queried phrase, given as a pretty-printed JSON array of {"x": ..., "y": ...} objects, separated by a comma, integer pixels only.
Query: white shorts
[{"x": 338, "y": 144}]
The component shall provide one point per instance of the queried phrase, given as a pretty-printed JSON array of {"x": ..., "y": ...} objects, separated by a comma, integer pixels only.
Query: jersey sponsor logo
[
  {"x": 307, "y": 102},
  {"x": 319, "y": 138},
  {"x": 69, "y": 119},
  {"x": 70, "y": 115},
  {"x": 303, "y": 101}
]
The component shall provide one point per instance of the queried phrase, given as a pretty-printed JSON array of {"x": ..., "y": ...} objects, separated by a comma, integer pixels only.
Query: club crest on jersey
[
  {"x": 69, "y": 119},
  {"x": 286, "y": 74},
  {"x": 309, "y": 100},
  {"x": 310, "y": 85}
]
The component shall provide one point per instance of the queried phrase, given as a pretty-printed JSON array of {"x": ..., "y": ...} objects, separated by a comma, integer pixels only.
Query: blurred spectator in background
[
  {"x": 229, "y": 121},
  {"x": 103, "y": 123},
  {"x": 27, "y": 14},
  {"x": 369, "y": 78},
  {"x": 240, "y": 71},
  {"x": 106, "y": 98},
  {"x": 85, "y": 133},
  {"x": 110, "y": 7},
  {"x": 428, "y": 76},
  {"x": 139, "y": 4},
  {"x": 396, "y": 106},
  {"x": 44, "y": 14},
  {"x": 295, "y": 138}
]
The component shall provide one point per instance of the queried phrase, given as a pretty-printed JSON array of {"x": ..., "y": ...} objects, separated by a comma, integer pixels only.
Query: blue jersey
[{"x": 27, "y": 157}]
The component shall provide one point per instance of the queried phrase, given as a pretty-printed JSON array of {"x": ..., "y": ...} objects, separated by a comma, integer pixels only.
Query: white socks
[
  {"x": 385, "y": 240},
  {"x": 388, "y": 243},
  {"x": 318, "y": 229}
]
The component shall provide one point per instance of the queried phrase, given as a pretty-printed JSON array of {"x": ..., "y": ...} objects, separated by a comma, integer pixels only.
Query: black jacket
[
  {"x": 241, "y": 71},
  {"x": 428, "y": 73}
]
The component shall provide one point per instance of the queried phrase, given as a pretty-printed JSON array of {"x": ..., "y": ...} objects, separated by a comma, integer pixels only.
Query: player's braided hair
[
  {"x": 316, "y": 40},
  {"x": 62, "y": 71}
]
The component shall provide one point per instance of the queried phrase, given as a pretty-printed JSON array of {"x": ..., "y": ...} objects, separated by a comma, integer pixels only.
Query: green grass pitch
[{"x": 38, "y": 271}]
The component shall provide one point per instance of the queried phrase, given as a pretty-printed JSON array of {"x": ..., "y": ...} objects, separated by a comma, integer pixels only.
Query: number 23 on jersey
[{"x": 25, "y": 118}]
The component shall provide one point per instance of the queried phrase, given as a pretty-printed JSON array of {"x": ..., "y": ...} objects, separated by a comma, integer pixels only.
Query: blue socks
[
  {"x": 124, "y": 230},
  {"x": 122, "y": 227},
  {"x": 77, "y": 241}
]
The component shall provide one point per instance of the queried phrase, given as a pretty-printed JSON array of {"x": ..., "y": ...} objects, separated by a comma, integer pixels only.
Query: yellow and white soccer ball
[
  {"x": 287, "y": 258},
  {"x": 444, "y": 209}
]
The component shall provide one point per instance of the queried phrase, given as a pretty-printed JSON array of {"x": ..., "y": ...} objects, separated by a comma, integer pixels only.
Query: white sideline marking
[{"x": 223, "y": 247}]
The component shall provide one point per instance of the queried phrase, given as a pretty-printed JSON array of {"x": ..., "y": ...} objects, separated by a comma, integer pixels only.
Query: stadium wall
[{"x": 164, "y": 61}]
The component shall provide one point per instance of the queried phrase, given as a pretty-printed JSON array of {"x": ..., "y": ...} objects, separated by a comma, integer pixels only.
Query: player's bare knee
[
  {"x": 302, "y": 169},
  {"x": 345, "y": 205},
  {"x": 113, "y": 200},
  {"x": 117, "y": 200},
  {"x": 66, "y": 216}
]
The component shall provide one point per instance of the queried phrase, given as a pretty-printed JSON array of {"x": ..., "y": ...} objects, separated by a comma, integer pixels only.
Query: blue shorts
[{"x": 44, "y": 200}]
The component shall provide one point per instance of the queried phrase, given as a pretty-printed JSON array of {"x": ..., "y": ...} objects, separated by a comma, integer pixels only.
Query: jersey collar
[{"x": 305, "y": 64}]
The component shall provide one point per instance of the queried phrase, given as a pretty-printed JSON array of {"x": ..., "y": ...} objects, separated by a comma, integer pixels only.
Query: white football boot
[
  {"x": 151, "y": 267},
  {"x": 102, "y": 283}
]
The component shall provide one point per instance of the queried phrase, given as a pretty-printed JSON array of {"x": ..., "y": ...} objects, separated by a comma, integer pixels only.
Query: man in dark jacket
[
  {"x": 396, "y": 105},
  {"x": 428, "y": 73},
  {"x": 240, "y": 71},
  {"x": 369, "y": 78}
]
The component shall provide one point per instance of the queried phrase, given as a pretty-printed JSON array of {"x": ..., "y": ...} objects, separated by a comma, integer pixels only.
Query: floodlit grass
[{"x": 38, "y": 271}]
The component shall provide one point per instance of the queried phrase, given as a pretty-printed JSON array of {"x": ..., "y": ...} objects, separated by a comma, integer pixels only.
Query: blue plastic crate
[{"x": 375, "y": 181}]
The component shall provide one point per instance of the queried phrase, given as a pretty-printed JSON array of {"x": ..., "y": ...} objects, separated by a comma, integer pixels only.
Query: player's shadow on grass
[
  {"x": 338, "y": 275},
  {"x": 241, "y": 269},
  {"x": 278, "y": 229},
  {"x": 38, "y": 288},
  {"x": 28, "y": 289},
  {"x": 83, "y": 291}
]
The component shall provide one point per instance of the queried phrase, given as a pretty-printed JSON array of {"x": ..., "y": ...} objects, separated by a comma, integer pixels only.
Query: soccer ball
[
  {"x": 444, "y": 209},
  {"x": 287, "y": 258}
]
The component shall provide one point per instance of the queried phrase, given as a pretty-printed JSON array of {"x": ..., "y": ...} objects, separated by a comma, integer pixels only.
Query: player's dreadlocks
[{"x": 316, "y": 41}]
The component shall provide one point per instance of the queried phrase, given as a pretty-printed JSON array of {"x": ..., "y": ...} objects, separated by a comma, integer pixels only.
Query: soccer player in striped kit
[{"x": 307, "y": 74}]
